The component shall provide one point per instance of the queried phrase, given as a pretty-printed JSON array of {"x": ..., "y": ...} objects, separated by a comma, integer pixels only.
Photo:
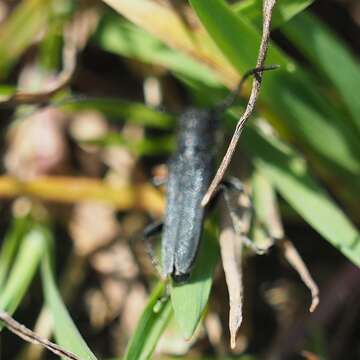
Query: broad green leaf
[
  {"x": 66, "y": 333},
  {"x": 118, "y": 109},
  {"x": 190, "y": 299},
  {"x": 20, "y": 29},
  {"x": 151, "y": 325},
  {"x": 23, "y": 270},
  {"x": 330, "y": 56},
  {"x": 283, "y": 11},
  {"x": 288, "y": 172},
  {"x": 11, "y": 245},
  {"x": 155, "y": 146},
  {"x": 122, "y": 37},
  {"x": 289, "y": 92}
]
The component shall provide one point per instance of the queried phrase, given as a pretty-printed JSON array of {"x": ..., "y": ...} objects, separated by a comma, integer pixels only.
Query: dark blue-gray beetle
[{"x": 191, "y": 169}]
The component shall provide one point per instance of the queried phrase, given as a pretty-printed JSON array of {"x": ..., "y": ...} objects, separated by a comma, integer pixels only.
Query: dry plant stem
[
  {"x": 293, "y": 257},
  {"x": 231, "y": 254},
  {"x": 28, "y": 335},
  {"x": 76, "y": 189},
  {"x": 267, "y": 13}
]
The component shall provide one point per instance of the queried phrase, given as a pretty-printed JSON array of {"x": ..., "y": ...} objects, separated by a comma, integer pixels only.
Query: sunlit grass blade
[
  {"x": 118, "y": 109},
  {"x": 189, "y": 300},
  {"x": 11, "y": 245},
  {"x": 151, "y": 325},
  {"x": 20, "y": 30},
  {"x": 155, "y": 146},
  {"x": 66, "y": 333},
  {"x": 124, "y": 38},
  {"x": 283, "y": 12},
  {"x": 23, "y": 270},
  {"x": 288, "y": 172},
  {"x": 78, "y": 189},
  {"x": 330, "y": 56}
]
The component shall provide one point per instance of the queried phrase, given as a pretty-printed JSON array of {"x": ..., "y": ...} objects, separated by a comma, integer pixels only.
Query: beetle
[{"x": 190, "y": 171}]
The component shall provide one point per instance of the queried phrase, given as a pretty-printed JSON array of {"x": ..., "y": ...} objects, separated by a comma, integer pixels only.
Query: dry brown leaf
[{"x": 231, "y": 253}]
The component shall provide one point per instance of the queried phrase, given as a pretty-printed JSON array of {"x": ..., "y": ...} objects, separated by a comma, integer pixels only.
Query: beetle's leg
[
  {"x": 241, "y": 213},
  {"x": 160, "y": 175},
  {"x": 150, "y": 231}
]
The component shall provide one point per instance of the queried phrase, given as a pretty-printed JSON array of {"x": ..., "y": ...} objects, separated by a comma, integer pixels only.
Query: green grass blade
[
  {"x": 155, "y": 146},
  {"x": 330, "y": 56},
  {"x": 123, "y": 38},
  {"x": 66, "y": 333},
  {"x": 20, "y": 29},
  {"x": 235, "y": 36},
  {"x": 10, "y": 246},
  {"x": 283, "y": 11},
  {"x": 190, "y": 299},
  {"x": 288, "y": 173},
  {"x": 117, "y": 109},
  {"x": 152, "y": 323},
  {"x": 23, "y": 270}
]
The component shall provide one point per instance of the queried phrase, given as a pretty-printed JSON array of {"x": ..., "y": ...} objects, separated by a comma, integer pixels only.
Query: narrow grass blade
[
  {"x": 289, "y": 174},
  {"x": 330, "y": 56},
  {"x": 283, "y": 12},
  {"x": 190, "y": 299},
  {"x": 66, "y": 333},
  {"x": 10, "y": 246},
  {"x": 23, "y": 270},
  {"x": 122, "y": 37},
  {"x": 20, "y": 30},
  {"x": 118, "y": 109},
  {"x": 155, "y": 146},
  {"x": 152, "y": 323}
]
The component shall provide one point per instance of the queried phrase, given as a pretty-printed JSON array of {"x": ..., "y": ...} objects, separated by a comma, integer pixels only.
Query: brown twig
[
  {"x": 295, "y": 260},
  {"x": 267, "y": 14},
  {"x": 269, "y": 216},
  {"x": 29, "y": 336}
]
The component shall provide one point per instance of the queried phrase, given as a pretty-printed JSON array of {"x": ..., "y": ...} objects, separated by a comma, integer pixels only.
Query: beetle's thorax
[{"x": 196, "y": 131}]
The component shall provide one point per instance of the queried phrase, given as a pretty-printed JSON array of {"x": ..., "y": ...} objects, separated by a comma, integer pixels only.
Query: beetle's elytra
[{"x": 190, "y": 171}]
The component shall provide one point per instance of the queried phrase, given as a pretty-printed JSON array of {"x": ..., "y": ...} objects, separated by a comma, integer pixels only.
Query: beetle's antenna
[{"x": 231, "y": 98}]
